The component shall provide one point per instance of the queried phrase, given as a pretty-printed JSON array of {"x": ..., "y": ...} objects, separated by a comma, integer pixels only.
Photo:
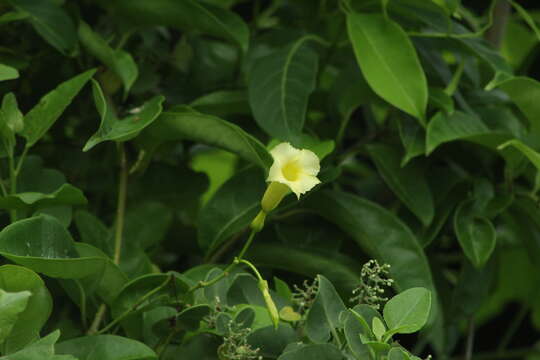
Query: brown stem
[{"x": 500, "y": 18}]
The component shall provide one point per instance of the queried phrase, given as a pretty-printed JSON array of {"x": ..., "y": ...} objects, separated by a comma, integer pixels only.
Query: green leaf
[
  {"x": 476, "y": 234},
  {"x": 413, "y": 138},
  {"x": 13, "y": 116},
  {"x": 185, "y": 123},
  {"x": 389, "y": 62},
  {"x": 29, "y": 322},
  {"x": 532, "y": 155},
  {"x": 113, "y": 129},
  {"x": 92, "y": 231},
  {"x": 11, "y": 305},
  {"x": 378, "y": 328},
  {"x": 43, "y": 349},
  {"x": 223, "y": 103},
  {"x": 340, "y": 269},
  {"x": 51, "y": 22},
  {"x": 408, "y": 311},
  {"x": 524, "y": 92},
  {"x": 444, "y": 128},
  {"x": 312, "y": 352},
  {"x": 105, "y": 347},
  {"x": 118, "y": 61},
  {"x": 8, "y": 73},
  {"x": 279, "y": 87},
  {"x": 12, "y": 16},
  {"x": 396, "y": 353},
  {"x": 323, "y": 316},
  {"x": 66, "y": 195},
  {"x": 109, "y": 281},
  {"x": 231, "y": 209},
  {"x": 379, "y": 232},
  {"x": 187, "y": 15},
  {"x": 51, "y": 106},
  {"x": 408, "y": 182},
  {"x": 44, "y": 245}
]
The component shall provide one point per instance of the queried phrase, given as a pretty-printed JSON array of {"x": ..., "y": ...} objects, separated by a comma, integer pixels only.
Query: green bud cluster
[{"x": 374, "y": 280}]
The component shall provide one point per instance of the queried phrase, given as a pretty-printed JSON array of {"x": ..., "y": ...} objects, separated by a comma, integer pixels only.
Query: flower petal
[
  {"x": 284, "y": 152},
  {"x": 309, "y": 162},
  {"x": 303, "y": 185}
]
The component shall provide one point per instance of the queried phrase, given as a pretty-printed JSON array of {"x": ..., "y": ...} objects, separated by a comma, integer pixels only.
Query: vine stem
[
  {"x": 514, "y": 326},
  {"x": 229, "y": 268},
  {"x": 12, "y": 186},
  {"x": 119, "y": 228},
  {"x": 121, "y": 204}
]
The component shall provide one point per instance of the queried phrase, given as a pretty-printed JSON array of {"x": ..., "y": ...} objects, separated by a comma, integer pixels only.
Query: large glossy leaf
[
  {"x": 38, "y": 308},
  {"x": 408, "y": 182},
  {"x": 231, "y": 209},
  {"x": 476, "y": 234},
  {"x": 408, "y": 311},
  {"x": 11, "y": 305},
  {"x": 185, "y": 123},
  {"x": 444, "y": 128},
  {"x": 51, "y": 22},
  {"x": 8, "y": 73},
  {"x": 279, "y": 87},
  {"x": 66, "y": 195},
  {"x": 524, "y": 92},
  {"x": 51, "y": 106},
  {"x": 44, "y": 245},
  {"x": 114, "y": 129},
  {"x": 323, "y": 317},
  {"x": 118, "y": 61},
  {"x": 379, "y": 232},
  {"x": 105, "y": 347},
  {"x": 187, "y": 15},
  {"x": 389, "y": 62}
]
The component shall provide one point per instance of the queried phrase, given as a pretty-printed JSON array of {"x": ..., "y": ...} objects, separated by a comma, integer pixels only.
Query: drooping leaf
[
  {"x": 44, "y": 245},
  {"x": 118, "y": 61},
  {"x": 389, "y": 62},
  {"x": 444, "y": 128},
  {"x": 51, "y": 106},
  {"x": 476, "y": 233},
  {"x": 323, "y": 317},
  {"x": 8, "y": 73},
  {"x": 279, "y": 87},
  {"x": 29, "y": 322},
  {"x": 408, "y": 182},
  {"x": 125, "y": 129},
  {"x": 51, "y": 22},
  {"x": 187, "y": 15},
  {"x": 185, "y": 123},
  {"x": 66, "y": 195},
  {"x": 532, "y": 155},
  {"x": 408, "y": 311}
]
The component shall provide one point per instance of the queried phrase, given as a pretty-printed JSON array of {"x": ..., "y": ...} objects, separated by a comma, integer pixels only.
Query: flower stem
[{"x": 12, "y": 186}]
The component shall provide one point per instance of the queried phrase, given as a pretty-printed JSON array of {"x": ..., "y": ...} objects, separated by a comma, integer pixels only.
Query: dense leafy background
[{"x": 150, "y": 122}]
